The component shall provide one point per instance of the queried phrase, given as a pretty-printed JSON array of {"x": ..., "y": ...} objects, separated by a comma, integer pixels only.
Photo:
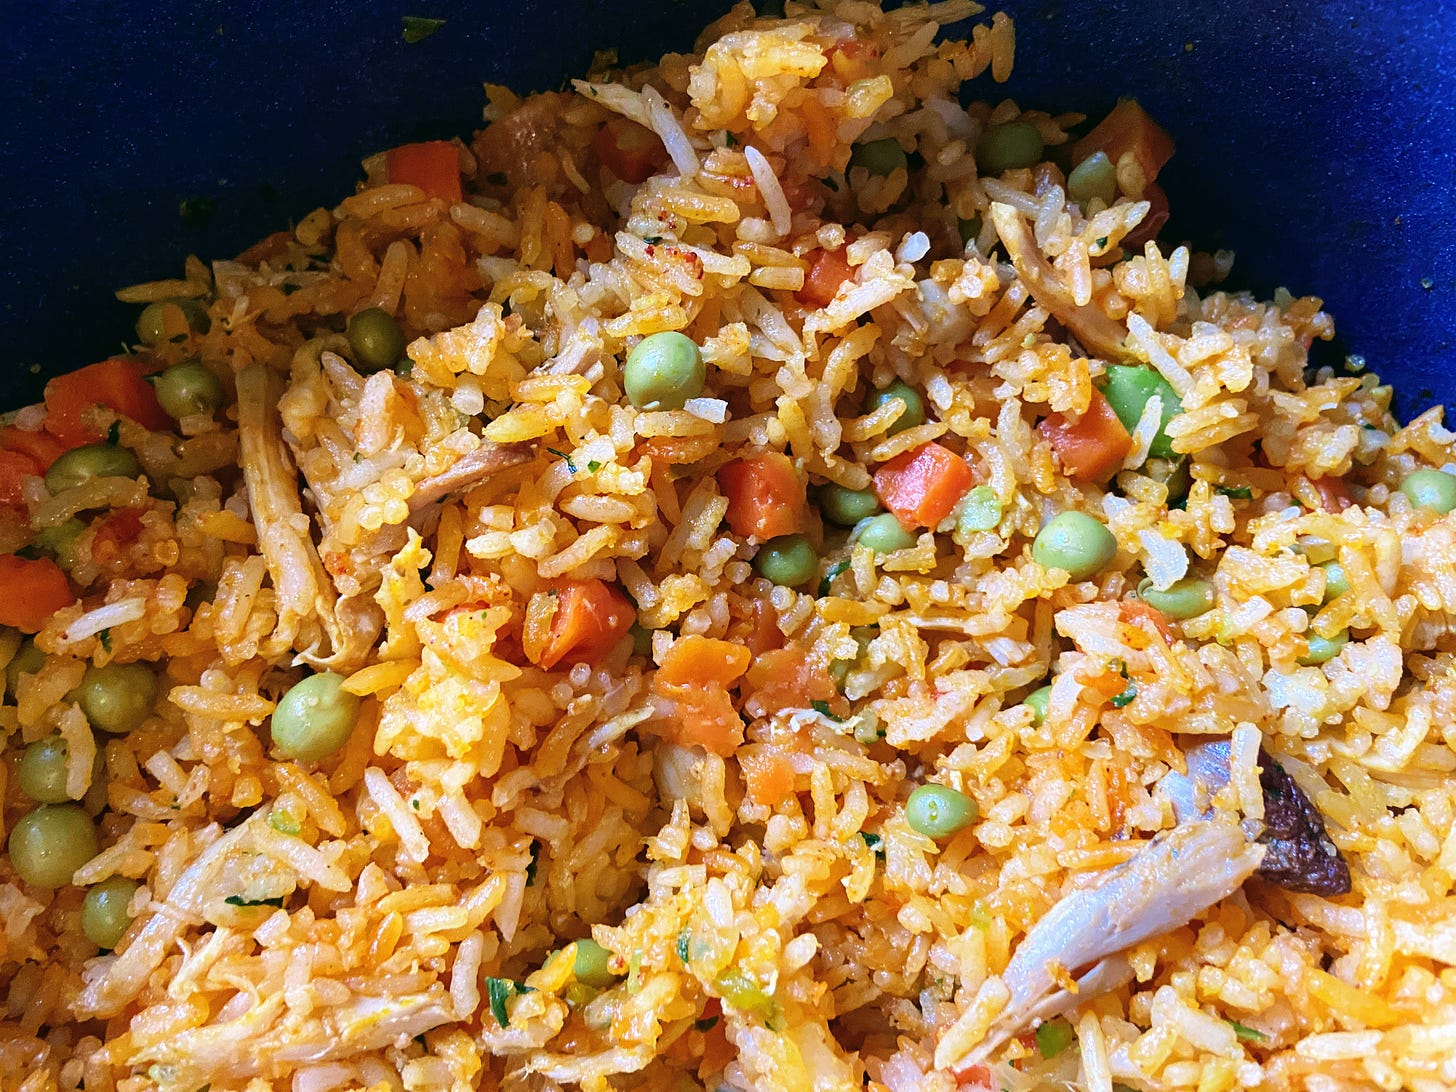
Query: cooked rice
[{"x": 403, "y": 913}]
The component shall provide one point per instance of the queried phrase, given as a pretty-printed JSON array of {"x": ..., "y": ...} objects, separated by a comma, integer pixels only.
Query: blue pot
[{"x": 1315, "y": 140}]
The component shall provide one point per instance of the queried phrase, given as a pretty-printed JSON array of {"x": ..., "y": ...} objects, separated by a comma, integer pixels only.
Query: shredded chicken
[
  {"x": 306, "y": 599},
  {"x": 1171, "y": 881},
  {"x": 474, "y": 468},
  {"x": 1097, "y": 333}
]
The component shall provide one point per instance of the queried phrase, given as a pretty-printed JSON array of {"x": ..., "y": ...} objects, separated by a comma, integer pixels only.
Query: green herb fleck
[
  {"x": 822, "y": 708},
  {"x": 499, "y": 991},
  {"x": 105, "y": 638},
  {"x": 1126, "y": 697},
  {"x": 1102, "y": 240},
  {"x": 706, "y": 1024},
  {"x": 238, "y": 900},
  {"x": 729, "y": 140},
  {"x": 652, "y": 240},
  {"x": 834, "y": 570},
  {"x": 571, "y": 466},
  {"x": 1246, "y": 1034},
  {"x": 684, "y": 941},
  {"x": 874, "y": 842},
  {"x": 1237, "y": 492},
  {"x": 196, "y": 211},
  {"x": 593, "y": 466},
  {"x": 419, "y": 27}
]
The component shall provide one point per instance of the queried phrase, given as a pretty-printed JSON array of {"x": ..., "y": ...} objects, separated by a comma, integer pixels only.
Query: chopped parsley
[
  {"x": 499, "y": 991},
  {"x": 238, "y": 900},
  {"x": 822, "y": 708},
  {"x": 105, "y": 638},
  {"x": 684, "y": 943},
  {"x": 1126, "y": 697},
  {"x": 873, "y": 841},
  {"x": 706, "y": 1024},
  {"x": 571, "y": 466},
  {"x": 593, "y": 466},
  {"x": 1237, "y": 492},
  {"x": 419, "y": 27},
  {"x": 1247, "y": 1034}
]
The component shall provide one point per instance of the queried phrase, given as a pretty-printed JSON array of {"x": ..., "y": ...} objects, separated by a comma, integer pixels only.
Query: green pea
[
  {"x": 1433, "y": 489},
  {"x": 663, "y": 371},
  {"x": 1095, "y": 176},
  {"x": 104, "y": 917},
  {"x": 60, "y": 541},
  {"x": 1038, "y": 701},
  {"x": 938, "y": 811},
  {"x": 89, "y": 462},
  {"x": 185, "y": 390},
  {"x": 641, "y": 639},
  {"x": 41, "y": 772},
  {"x": 846, "y": 507},
  {"x": 1055, "y": 1035},
  {"x": 978, "y": 510},
  {"x": 1335, "y": 583},
  {"x": 28, "y": 660},
  {"x": 592, "y": 964},
  {"x": 118, "y": 697},
  {"x": 50, "y": 843},
  {"x": 1186, "y": 598},
  {"x": 1008, "y": 146},
  {"x": 314, "y": 719},
  {"x": 1322, "y": 649},
  {"x": 171, "y": 320},
  {"x": 913, "y": 413},
  {"x": 788, "y": 560},
  {"x": 881, "y": 157},
  {"x": 1075, "y": 542},
  {"x": 1128, "y": 388},
  {"x": 969, "y": 229},
  {"x": 376, "y": 339},
  {"x": 882, "y": 534}
]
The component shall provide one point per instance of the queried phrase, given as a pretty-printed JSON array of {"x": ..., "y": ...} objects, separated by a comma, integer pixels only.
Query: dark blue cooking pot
[{"x": 1316, "y": 140}]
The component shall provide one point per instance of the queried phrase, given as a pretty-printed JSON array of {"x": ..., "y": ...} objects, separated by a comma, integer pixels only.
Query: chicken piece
[
  {"x": 1301, "y": 856},
  {"x": 474, "y": 468},
  {"x": 306, "y": 598},
  {"x": 1170, "y": 882},
  {"x": 1097, "y": 333}
]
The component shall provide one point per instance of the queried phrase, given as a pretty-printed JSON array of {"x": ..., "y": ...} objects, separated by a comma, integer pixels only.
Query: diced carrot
[
  {"x": 591, "y": 617},
  {"x": 32, "y": 592},
  {"x": 15, "y": 467},
  {"x": 785, "y": 678},
  {"x": 116, "y": 532},
  {"x": 118, "y": 383},
  {"x": 765, "y": 495},
  {"x": 923, "y": 485},
  {"x": 1135, "y": 610},
  {"x": 698, "y": 716},
  {"x": 828, "y": 269},
  {"x": 974, "y": 1078},
  {"x": 1128, "y": 128},
  {"x": 695, "y": 660},
  {"x": 1153, "y": 222},
  {"x": 763, "y": 632},
  {"x": 630, "y": 151},
  {"x": 432, "y": 165},
  {"x": 1091, "y": 448},
  {"x": 1334, "y": 494},
  {"x": 769, "y": 775},
  {"x": 39, "y": 445}
]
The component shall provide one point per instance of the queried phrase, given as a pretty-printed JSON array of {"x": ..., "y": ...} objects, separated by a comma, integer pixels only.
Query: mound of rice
[{"x": 403, "y": 913}]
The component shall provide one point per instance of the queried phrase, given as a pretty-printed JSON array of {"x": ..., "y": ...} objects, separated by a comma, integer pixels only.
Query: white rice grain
[
  {"x": 770, "y": 190},
  {"x": 104, "y": 617},
  {"x": 411, "y": 835},
  {"x": 670, "y": 131}
]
